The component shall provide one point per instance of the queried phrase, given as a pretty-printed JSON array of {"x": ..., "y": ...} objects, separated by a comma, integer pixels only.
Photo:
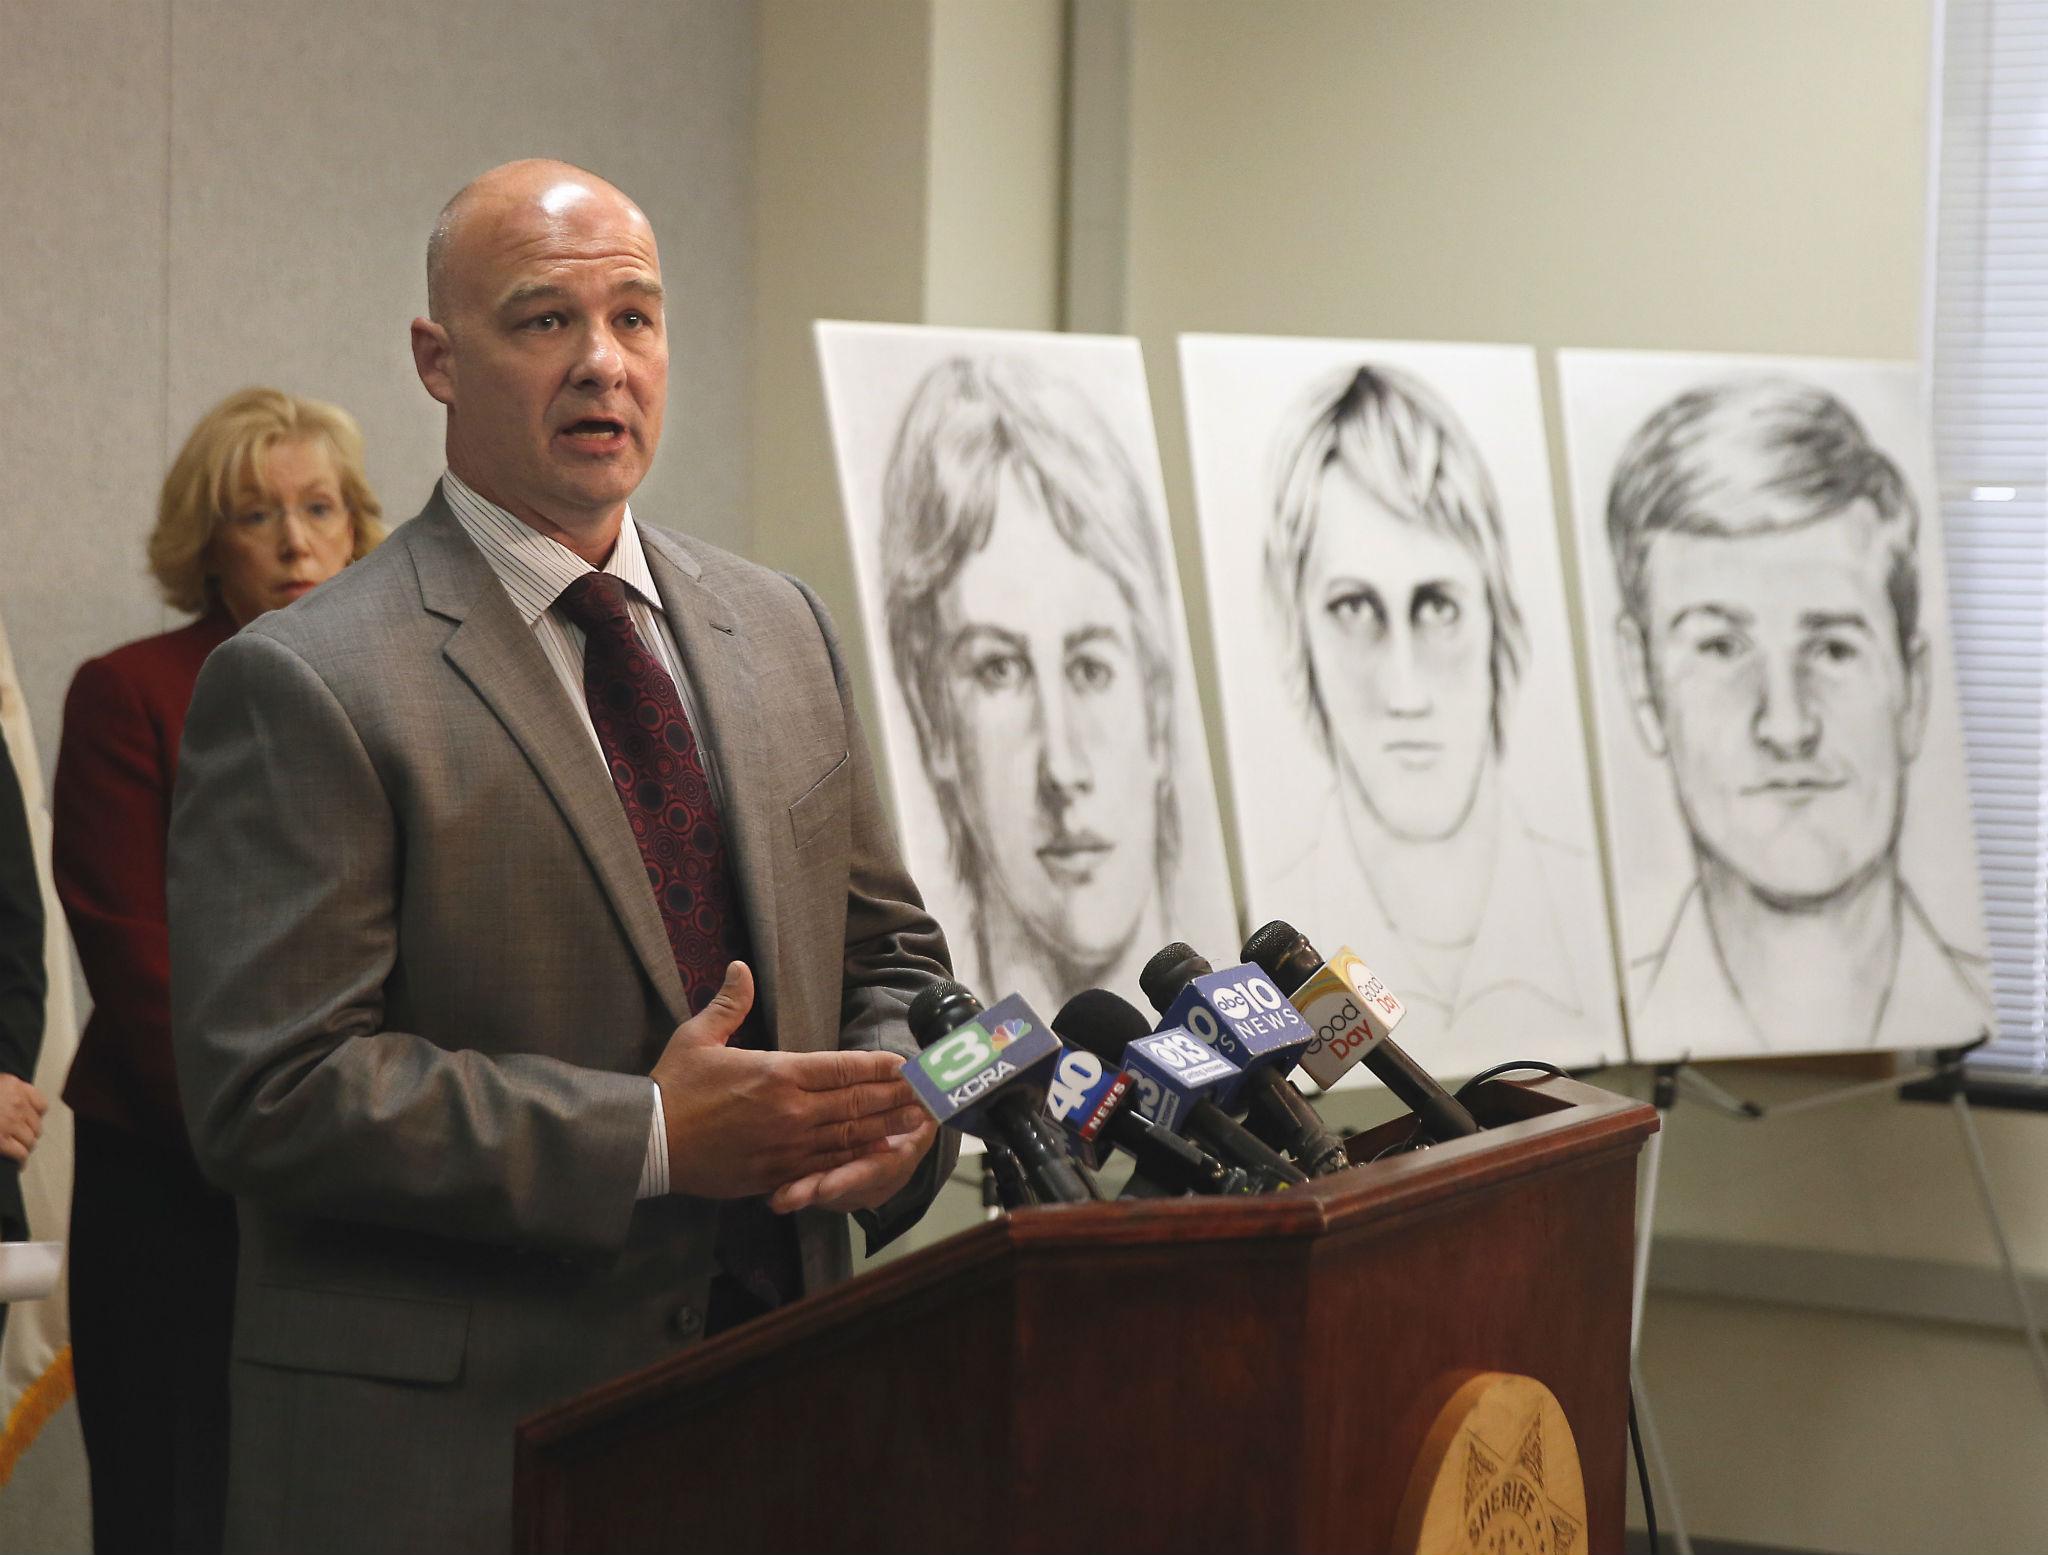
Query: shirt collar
[
  {"x": 532, "y": 569},
  {"x": 1935, "y": 999},
  {"x": 1939, "y": 995},
  {"x": 1519, "y": 939}
]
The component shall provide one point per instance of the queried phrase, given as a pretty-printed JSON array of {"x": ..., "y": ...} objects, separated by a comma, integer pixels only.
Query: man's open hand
[{"x": 742, "y": 1122}]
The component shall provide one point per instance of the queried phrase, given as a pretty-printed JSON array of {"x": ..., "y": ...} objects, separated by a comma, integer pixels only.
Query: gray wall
[{"x": 202, "y": 194}]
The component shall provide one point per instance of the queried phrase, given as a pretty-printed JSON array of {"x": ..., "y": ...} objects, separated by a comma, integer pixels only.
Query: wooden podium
[{"x": 1185, "y": 1374}]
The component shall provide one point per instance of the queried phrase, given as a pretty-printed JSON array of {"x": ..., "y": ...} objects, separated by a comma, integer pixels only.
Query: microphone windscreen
[
  {"x": 940, "y": 1009},
  {"x": 1270, "y": 943},
  {"x": 1167, "y": 973},
  {"x": 1102, "y": 1022}
]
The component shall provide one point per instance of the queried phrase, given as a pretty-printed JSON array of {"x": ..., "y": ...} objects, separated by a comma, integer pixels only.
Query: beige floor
[{"x": 43, "y": 1509}]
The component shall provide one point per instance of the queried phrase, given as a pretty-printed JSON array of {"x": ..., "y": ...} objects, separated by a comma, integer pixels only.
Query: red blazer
[{"x": 111, "y": 809}]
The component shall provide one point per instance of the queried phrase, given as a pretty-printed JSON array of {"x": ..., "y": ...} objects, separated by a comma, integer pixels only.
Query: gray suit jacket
[{"x": 418, "y": 980}]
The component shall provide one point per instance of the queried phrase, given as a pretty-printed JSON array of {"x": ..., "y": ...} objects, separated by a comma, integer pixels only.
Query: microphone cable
[
  {"x": 1415, "y": 1135},
  {"x": 1635, "y": 1440},
  {"x": 1498, "y": 1070}
]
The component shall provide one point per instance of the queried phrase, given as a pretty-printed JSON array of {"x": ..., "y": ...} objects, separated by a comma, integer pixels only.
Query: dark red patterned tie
[
  {"x": 652, "y": 753},
  {"x": 654, "y": 763}
]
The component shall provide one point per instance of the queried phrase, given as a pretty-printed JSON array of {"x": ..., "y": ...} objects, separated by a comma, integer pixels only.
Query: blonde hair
[
  {"x": 222, "y": 456},
  {"x": 1409, "y": 450},
  {"x": 970, "y": 421}
]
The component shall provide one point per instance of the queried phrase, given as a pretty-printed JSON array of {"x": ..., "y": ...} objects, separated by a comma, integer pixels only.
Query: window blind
[{"x": 1989, "y": 359}]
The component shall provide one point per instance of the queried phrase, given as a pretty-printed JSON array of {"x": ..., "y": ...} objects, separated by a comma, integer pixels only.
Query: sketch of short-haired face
[
  {"x": 1388, "y": 566},
  {"x": 1023, "y": 591},
  {"x": 1769, "y": 638}
]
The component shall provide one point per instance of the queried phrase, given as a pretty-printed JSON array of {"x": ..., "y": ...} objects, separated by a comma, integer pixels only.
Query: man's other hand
[
  {"x": 742, "y": 1122},
  {"x": 21, "y": 1117},
  {"x": 867, "y": 1183}
]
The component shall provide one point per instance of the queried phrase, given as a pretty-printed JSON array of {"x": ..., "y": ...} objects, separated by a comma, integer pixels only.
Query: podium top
[
  {"x": 1531, "y": 1129},
  {"x": 1528, "y": 1128}
]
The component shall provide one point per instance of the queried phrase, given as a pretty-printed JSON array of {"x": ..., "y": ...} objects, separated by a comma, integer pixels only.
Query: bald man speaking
[{"x": 540, "y": 950}]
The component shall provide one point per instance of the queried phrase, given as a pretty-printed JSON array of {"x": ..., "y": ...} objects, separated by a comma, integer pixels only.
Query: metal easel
[{"x": 1942, "y": 1079}]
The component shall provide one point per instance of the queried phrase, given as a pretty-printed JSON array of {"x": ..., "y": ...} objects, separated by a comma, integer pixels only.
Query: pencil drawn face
[
  {"x": 1052, "y": 753},
  {"x": 1399, "y": 637},
  {"x": 1774, "y": 680}
]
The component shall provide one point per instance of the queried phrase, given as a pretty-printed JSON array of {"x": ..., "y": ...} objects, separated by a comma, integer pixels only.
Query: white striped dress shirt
[{"x": 533, "y": 570}]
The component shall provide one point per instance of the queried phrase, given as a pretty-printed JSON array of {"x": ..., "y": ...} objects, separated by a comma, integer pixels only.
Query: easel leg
[
  {"x": 1652, "y": 1153},
  {"x": 1974, "y": 1148},
  {"x": 1664, "y": 1096}
]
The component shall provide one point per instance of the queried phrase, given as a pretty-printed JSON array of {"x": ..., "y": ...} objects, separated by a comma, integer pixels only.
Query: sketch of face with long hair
[
  {"x": 1051, "y": 752},
  {"x": 1389, "y": 572},
  {"x": 1023, "y": 594}
]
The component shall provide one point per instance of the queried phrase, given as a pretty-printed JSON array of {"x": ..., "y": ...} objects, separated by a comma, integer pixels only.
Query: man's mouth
[
  {"x": 1415, "y": 755},
  {"x": 1794, "y": 789},
  {"x": 1072, "y": 857},
  {"x": 595, "y": 432}
]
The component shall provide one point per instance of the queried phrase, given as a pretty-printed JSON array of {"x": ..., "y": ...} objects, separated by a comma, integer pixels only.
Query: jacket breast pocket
[
  {"x": 824, "y": 802},
  {"x": 353, "y": 1333}
]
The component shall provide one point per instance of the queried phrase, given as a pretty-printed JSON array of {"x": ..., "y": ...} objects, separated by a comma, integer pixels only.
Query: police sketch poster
[
  {"x": 1400, "y": 696},
  {"x": 1044, "y": 743},
  {"x": 1767, "y": 629}
]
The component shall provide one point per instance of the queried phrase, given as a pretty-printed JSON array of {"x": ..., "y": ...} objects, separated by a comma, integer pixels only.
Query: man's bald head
[
  {"x": 532, "y": 185},
  {"x": 547, "y": 341}
]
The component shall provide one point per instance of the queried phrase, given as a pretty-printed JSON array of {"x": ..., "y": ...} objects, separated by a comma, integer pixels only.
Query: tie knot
[{"x": 597, "y": 603}]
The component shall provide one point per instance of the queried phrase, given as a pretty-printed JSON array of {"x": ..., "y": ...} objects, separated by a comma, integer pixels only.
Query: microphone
[
  {"x": 1175, "y": 1077},
  {"x": 1352, "y": 1012},
  {"x": 1249, "y": 1021},
  {"x": 1099, "y": 1104},
  {"x": 983, "y": 1071},
  {"x": 1002, "y": 1179}
]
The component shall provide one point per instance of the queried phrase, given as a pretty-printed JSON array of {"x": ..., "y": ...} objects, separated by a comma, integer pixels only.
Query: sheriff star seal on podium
[{"x": 1498, "y": 1474}]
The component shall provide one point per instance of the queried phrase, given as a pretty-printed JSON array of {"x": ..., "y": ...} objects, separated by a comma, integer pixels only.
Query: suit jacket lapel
[
  {"x": 495, "y": 651},
  {"x": 720, "y": 668}
]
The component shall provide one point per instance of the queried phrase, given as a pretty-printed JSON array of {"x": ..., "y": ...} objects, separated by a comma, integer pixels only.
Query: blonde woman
[{"x": 265, "y": 502}]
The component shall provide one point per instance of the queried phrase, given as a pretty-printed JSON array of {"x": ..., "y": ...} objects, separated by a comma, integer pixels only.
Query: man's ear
[
  {"x": 1919, "y": 692},
  {"x": 1635, "y": 679},
  {"x": 433, "y": 359}
]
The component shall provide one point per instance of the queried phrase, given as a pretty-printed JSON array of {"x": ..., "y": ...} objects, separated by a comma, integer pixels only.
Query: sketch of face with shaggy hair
[
  {"x": 1394, "y": 660},
  {"x": 1025, "y": 601},
  {"x": 1771, "y": 649},
  {"x": 1397, "y": 629},
  {"x": 1387, "y": 564},
  {"x": 1388, "y": 571}
]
